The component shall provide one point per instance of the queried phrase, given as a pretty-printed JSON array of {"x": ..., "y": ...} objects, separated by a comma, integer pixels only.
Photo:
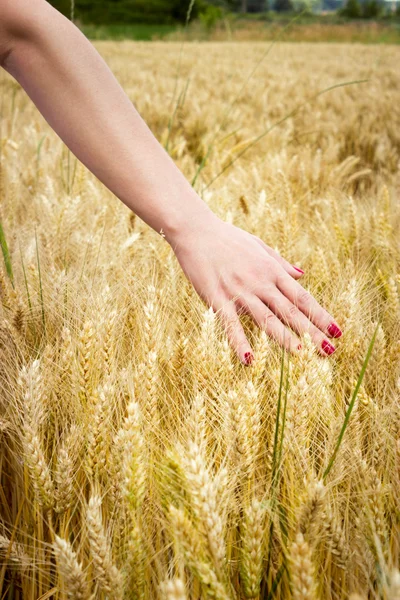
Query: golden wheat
[{"x": 140, "y": 459}]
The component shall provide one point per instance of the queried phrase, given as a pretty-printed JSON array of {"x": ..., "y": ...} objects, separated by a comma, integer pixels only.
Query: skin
[{"x": 232, "y": 270}]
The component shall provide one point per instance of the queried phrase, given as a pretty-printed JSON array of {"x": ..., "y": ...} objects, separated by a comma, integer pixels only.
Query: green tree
[
  {"x": 371, "y": 9},
  {"x": 128, "y": 11},
  {"x": 210, "y": 15},
  {"x": 283, "y": 5},
  {"x": 352, "y": 9}
]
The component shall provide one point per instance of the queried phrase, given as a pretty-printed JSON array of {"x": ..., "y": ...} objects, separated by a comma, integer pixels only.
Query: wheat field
[{"x": 139, "y": 458}]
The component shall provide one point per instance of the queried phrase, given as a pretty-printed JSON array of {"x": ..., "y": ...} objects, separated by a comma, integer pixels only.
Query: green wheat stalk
[
  {"x": 351, "y": 405},
  {"x": 290, "y": 114},
  {"x": 171, "y": 120},
  {"x": 246, "y": 81},
  {"x": 6, "y": 255}
]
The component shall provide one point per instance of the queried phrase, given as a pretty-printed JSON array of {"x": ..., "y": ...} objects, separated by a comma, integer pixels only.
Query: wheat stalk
[{"x": 108, "y": 576}]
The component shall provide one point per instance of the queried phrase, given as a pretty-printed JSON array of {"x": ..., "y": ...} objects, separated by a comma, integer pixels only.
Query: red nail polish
[
  {"x": 327, "y": 347},
  {"x": 299, "y": 347},
  {"x": 297, "y": 269},
  {"x": 248, "y": 358},
  {"x": 334, "y": 330}
]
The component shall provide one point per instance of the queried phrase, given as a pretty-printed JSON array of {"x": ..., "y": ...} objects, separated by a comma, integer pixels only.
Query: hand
[{"x": 234, "y": 272}]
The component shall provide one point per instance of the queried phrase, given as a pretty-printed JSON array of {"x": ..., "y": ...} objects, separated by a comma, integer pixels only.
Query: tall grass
[{"x": 140, "y": 459}]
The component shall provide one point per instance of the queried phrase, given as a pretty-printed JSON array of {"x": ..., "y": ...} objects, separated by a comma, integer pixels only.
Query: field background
[
  {"x": 308, "y": 28},
  {"x": 139, "y": 458}
]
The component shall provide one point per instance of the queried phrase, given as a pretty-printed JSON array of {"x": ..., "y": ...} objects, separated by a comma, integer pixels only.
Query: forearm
[{"x": 80, "y": 98}]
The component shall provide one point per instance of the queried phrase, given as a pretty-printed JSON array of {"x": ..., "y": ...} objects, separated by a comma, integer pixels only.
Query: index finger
[{"x": 308, "y": 305}]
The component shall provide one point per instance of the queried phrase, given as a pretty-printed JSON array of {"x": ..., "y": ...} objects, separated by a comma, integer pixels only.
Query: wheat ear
[
  {"x": 173, "y": 589},
  {"x": 65, "y": 470},
  {"x": 204, "y": 500},
  {"x": 195, "y": 554},
  {"x": 86, "y": 349},
  {"x": 15, "y": 556},
  {"x": 76, "y": 585},
  {"x": 108, "y": 576},
  {"x": 252, "y": 551},
  {"x": 302, "y": 570},
  {"x": 31, "y": 382}
]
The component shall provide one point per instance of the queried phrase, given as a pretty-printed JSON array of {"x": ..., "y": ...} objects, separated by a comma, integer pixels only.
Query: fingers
[
  {"x": 293, "y": 271},
  {"x": 291, "y": 315},
  {"x": 307, "y": 305},
  {"x": 234, "y": 331},
  {"x": 269, "y": 322},
  {"x": 263, "y": 317}
]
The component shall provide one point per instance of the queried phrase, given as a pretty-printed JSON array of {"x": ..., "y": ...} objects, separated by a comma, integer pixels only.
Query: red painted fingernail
[
  {"x": 327, "y": 347},
  {"x": 248, "y": 358},
  {"x": 299, "y": 347},
  {"x": 334, "y": 330},
  {"x": 297, "y": 269}
]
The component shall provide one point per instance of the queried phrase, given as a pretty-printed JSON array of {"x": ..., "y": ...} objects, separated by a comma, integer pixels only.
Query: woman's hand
[
  {"x": 234, "y": 271},
  {"x": 230, "y": 269}
]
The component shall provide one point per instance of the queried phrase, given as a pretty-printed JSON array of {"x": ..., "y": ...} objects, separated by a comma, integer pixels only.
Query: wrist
[{"x": 190, "y": 223}]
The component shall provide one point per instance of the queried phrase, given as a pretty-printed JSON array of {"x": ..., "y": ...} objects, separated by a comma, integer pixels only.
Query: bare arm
[{"x": 80, "y": 98}]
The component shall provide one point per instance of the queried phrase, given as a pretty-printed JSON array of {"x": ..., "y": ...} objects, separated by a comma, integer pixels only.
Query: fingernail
[
  {"x": 334, "y": 330},
  {"x": 248, "y": 358},
  {"x": 299, "y": 347},
  {"x": 327, "y": 347},
  {"x": 299, "y": 270}
]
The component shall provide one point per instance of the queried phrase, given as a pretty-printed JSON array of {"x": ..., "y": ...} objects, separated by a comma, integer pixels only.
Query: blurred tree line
[
  {"x": 367, "y": 9},
  {"x": 100, "y": 12}
]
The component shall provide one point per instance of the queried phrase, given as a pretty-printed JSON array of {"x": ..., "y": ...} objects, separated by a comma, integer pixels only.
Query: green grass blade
[
  {"x": 278, "y": 410},
  {"x": 25, "y": 280},
  {"x": 6, "y": 255},
  {"x": 351, "y": 405},
  {"x": 284, "y": 522},
  {"x": 285, "y": 118},
  {"x": 275, "y": 463},
  {"x": 246, "y": 81},
  {"x": 276, "y": 582},
  {"x": 180, "y": 102},
  {"x": 171, "y": 120},
  {"x": 284, "y": 415}
]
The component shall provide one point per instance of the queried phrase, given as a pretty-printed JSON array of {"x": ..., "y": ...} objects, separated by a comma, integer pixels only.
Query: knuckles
[
  {"x": 293, "y": 310},
  {"x": 304, "y": 297},
  {"x": 269, "y": 319}
]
